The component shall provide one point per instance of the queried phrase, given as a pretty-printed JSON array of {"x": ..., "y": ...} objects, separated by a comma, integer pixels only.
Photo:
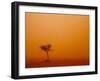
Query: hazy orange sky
[{"x": 68, "y": 34}]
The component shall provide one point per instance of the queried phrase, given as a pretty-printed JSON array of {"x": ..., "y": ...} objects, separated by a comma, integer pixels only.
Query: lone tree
[{"x": 46, "y": 49}]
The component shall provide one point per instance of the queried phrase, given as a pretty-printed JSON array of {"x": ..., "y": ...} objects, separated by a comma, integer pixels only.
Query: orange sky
[{"x": 68, "y": 35}]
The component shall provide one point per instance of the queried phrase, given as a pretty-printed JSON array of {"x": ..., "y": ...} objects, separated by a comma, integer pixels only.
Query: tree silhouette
[{"x": 46, "y": 48}]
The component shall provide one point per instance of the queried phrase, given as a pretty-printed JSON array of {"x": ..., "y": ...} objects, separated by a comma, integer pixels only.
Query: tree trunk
[{"x": 47, "y": 56}]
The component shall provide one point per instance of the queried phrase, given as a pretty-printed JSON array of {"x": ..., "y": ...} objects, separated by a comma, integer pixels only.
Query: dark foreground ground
[{"x": 56, "y": 63}]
